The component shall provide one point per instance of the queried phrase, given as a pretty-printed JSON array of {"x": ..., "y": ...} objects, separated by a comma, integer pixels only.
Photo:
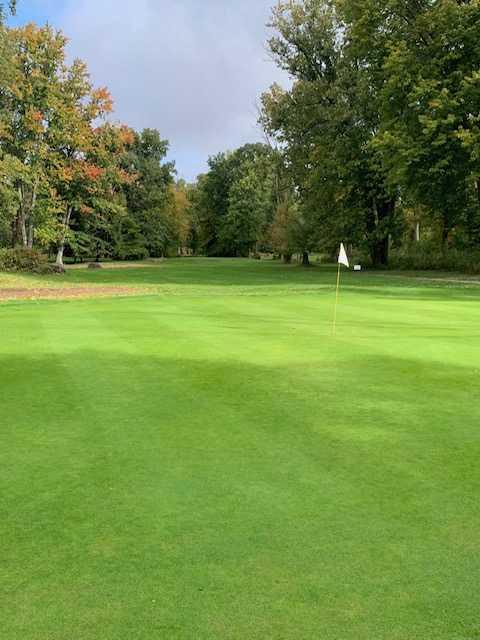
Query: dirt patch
[{"x": 67, "y": 293}]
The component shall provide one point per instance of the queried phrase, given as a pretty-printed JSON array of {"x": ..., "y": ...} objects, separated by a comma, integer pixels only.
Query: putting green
[{"x": 207, "y": 462}]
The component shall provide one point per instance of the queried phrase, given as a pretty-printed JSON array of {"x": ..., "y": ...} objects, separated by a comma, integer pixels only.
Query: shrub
[
  {"x": 131, "y": 251},
  {"x": 22, "y": 259},
  {"x": 427, "y": 256}
]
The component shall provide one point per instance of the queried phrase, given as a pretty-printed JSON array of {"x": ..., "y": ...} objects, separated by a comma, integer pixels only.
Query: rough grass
[{"x": 213, "y": 464}]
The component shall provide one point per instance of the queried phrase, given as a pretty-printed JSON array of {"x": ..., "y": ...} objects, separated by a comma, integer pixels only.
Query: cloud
[{"x": 194, "y": 69}]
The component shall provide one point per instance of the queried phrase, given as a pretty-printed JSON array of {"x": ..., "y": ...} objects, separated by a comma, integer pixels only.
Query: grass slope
[{"x": 214, "y": 465}]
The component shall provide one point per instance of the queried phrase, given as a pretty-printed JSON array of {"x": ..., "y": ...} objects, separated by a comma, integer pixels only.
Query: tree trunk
[
  {"x": 21, "y": 232},
  {"x": 30, "y": 236},
  {"x": 31, "y": 227},
  {"x": 61, "y": 244},
  {"x": 379, "y": 252},
  {"x": 23, "y": 229},
  {"x": 22, "y": 216},
  {"x": 305, "y": 259},
  {"x": 445, "y": 234},
  {"x": 287, "y": 258},
  {"x": 14, "y": 232},
  {"x": 417, "y": 232},
  {"x": 60, "y": 251},
  {"x": 383, "y": 210}
]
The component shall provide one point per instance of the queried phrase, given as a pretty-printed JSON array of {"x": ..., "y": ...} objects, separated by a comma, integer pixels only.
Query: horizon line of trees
[{"x": 376, "y": 143}]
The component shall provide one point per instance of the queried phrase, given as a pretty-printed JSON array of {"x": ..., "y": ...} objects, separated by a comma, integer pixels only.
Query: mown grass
[
  {"x": 211, "y": 463},
  {"x": 224, "y": 277}
]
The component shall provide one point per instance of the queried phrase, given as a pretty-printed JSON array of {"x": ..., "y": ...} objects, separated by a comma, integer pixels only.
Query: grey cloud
[{"x": 194, "y": 69}]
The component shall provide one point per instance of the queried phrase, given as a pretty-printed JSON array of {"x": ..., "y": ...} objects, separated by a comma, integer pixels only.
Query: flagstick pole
[{"x": 336, "y": 302}]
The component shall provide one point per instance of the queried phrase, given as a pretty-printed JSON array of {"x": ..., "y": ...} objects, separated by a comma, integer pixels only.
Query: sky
[{"x": 193, "y": 69}]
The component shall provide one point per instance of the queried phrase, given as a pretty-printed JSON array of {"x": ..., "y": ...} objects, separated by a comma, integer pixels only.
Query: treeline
[
  {"x": 73, "y": 183},
  {"x": 376, "y": 143},
  {"x": 377, "y": 140},
  {"x": 247, "y": 203}
]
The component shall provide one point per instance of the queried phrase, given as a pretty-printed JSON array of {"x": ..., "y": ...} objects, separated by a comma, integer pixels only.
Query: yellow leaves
[
  {"x": 102, "y": 101},
  {"x": 66, "y": 174},
  {"x": 34, "y": 121},
  {"x": 126, "y": 178},
  {"x": 180, "y": 211},
  {"x": 48, "y": 98},
  {"x": 38, "y": 49},
  {"x": 51, "y": 113},
  {"x": 127, "y": 135},
  {"x": 15, "y": 91}
]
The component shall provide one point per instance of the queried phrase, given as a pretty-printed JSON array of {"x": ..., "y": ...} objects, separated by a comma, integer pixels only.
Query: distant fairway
[{"x": 203, "y": 461}]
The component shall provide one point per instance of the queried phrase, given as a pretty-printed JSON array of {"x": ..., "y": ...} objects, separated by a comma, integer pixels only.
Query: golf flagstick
[{"x": 342, "y": 259}]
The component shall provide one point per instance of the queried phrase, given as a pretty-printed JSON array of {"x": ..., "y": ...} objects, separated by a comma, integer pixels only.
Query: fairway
[{"x": 204, "y": 461}]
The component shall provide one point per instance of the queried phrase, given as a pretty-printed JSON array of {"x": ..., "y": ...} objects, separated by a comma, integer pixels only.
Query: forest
[{"x": 376, "y": 143}]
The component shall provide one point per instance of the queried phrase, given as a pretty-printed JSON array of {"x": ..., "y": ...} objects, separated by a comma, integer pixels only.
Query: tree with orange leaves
[
  {"x": 59, "y": 161},
  {"x": 66, "y": 172},
  {"x": 102, "y": 187},
  {"x": 75, "y": 176}
]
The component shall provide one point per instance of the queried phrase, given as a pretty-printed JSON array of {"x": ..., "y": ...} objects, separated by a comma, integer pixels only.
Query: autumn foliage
[
  {"x": 67, "y": 171},
  {"x": 77, "y": 183}
]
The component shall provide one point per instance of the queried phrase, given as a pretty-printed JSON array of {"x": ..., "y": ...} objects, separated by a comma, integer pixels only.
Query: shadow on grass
[
  {"x": 367, "y": 404},
  {"x": 131, "y": 478}
]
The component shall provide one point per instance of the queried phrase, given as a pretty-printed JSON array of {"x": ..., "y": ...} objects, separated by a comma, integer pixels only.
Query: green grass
[{"x": 210, "y": 463}]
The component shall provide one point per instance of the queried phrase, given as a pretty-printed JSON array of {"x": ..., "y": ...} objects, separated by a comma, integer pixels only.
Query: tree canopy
[{"x": 383, "y": 111}]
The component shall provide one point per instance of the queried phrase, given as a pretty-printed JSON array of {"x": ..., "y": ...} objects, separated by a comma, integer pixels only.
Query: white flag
[{"x": 342, "y": 257}]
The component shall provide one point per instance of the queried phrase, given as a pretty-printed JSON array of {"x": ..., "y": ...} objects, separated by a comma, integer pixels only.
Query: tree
[
  {"x": 150, "y": 199},
  {"x": 242, "y": 223},
  {"x": 235, "y": 200},
  {"x": 68, "y": 179},
  {"x": 196, "y": 197},
  {"x": 50, "y": 113},
  {"x": 212, "y": 200},
  {"x": 82, "y": 164},
  {"x": 9, "y": 167},
  {"x": 102, "y": 213},
  {"x": 6, "y": 54},
  {"x": 28, "y": 101},
  {"x": 10, "y": 6},
  {"x": 181, "y": 213},
  {"x": 423, "y": 57},
  {"x": 326, "y": 122}
]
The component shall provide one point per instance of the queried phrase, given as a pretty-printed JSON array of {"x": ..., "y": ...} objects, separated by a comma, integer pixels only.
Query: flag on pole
[
  {"x": 342, "y": 259},
  {"x": 342, "y": 256}
]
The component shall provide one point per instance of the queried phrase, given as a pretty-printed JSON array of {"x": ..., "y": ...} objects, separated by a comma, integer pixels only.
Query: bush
[
  {"x": 427, "y": 256},
  {"x": 22, "y": 259},
  {"x": 129, "y": 251}
]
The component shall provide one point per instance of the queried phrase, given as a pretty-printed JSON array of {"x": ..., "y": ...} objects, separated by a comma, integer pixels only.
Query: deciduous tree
[
  {"x": 150, "y": 199},
  {"x": 326, "y": 122}
]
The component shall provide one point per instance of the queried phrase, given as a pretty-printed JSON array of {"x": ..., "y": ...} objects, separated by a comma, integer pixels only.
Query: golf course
[{"x": 189, "y": 453}]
